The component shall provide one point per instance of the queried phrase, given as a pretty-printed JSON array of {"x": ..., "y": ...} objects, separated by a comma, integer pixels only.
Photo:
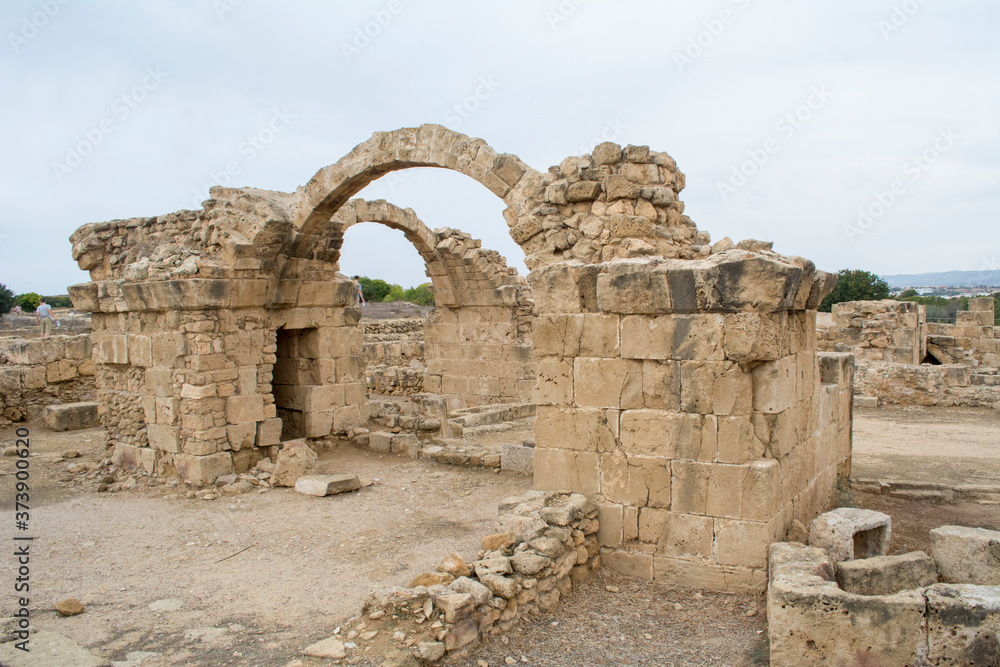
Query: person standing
[
  {"x": 17, "y": 309},
  {"x": 43, "y": 315},
  {"x": 359, "y": 297}
]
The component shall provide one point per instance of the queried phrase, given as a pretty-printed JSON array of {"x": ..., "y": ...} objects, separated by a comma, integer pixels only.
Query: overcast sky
[{"x": 857, "y": 133}]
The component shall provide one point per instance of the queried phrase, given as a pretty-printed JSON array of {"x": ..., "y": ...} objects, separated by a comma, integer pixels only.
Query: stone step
[{"x": 71, "y": 416}]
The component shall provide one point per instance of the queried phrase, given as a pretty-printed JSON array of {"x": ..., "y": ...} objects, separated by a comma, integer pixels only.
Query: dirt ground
[
  {"x": 252, "y": 579},
  {"x": 308, "y": 562},
  {"x": 944, "y": 445}
]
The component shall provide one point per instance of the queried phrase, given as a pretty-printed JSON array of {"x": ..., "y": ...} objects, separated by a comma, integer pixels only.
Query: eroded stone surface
[
  {"x": 967, "y": 555},
  {"x": 847, "y": 533}
]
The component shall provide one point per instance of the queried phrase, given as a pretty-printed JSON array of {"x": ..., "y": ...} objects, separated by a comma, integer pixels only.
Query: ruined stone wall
[
  {"x": 678, "y": 382},
  {"x": 973, "y": 340},
  {"x": 687, "y": 398},
  {"x": 878, "y": 330},
  {"x": 394, "y": 356},
  {"x": 35, "y": 372},
  {"x": 928, "y": 385}
]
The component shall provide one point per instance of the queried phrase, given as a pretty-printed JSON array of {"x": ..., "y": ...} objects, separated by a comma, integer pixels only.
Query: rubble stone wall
[
  {"x": 35, "y": 372},
  {"x": 928, "y": 385},
  {"x": 878, "y": 331}
]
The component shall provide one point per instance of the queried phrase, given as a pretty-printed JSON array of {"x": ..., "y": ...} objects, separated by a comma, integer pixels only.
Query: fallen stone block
[
  {"x": 331, "y": 648},
  {"x": 326, "y": 485},
  {"x": 71, "y": 416},
  {"x": 885, "y": 575},
  {"x": 292, "y": 462},
  {"x": 517, "y": 458},
  {"x": 967, "y": 555},
  {"x": 847, "y": 533}
]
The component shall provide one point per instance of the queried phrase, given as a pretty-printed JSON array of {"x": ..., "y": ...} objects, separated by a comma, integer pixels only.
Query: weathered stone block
[
  {"x": 583, "y": 429},
  {"x": 60, "y": 371},
  {"x": 293, "y": 461},
  {"x": 967, "y": 555},
  {"x": 71, "y": 416},
  {"x": 326, "y": 485},
  {"x": 268, "y": 432},
  {"x": 566, "y": 470},
  {"x": 201, "y": 470},
  {"x": 243, "y": 409},
  {"x": 608, "y": 383},
  {"x": 886, "y": 575},
  {"x": 963, "y": 623},
  {"x": 847, "y": 533},
  {"x": 163, "y": 438},
  {"x": 812, "y": 622},
  {"x": 774, "y": 385}
]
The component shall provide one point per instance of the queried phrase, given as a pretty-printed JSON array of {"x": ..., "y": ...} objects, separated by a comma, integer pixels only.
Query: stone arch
[
  {"x": 462, "y": 272},
  {"x": 518, "y": 185}
]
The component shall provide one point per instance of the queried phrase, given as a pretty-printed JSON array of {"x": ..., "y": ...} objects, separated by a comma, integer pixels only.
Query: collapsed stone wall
[
  {"x": 549, "y": 544},
  {"x": 35, "y": 372},
  {"x": 890, "y": 339},
  {"x": 954, "y": 385},
  {"x": 973, "y": 340},
  {"x": 652, "y": 351},
  {"x": 885, "y": 330}
]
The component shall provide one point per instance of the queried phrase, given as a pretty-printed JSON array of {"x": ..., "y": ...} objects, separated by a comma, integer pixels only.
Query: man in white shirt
[{"x": 43, "y": 315}]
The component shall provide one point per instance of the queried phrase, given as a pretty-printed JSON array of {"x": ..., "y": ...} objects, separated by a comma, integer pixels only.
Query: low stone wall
[
  {"x": 813, "y": 621},
  {"x": 927, "y": 385},
  {"x": 550, "y": 542},
  {"x": 36, "y": 372}
]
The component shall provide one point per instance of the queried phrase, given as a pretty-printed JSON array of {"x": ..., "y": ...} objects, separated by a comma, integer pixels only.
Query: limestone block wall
[
  {"x": 688, "y": 398},
  {"x": 878, "y": 330},
  {"x": 35, "y": 372},
  {"x": 478, "y": 355},
  {"x": 195, "y": 390},
  {"x": 394, "y": 356},
  {"x": 973, "y": 340}
]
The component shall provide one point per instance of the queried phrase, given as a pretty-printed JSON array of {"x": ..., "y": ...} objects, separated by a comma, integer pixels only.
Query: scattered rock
[
  {"x": 399, "y": 658},
  {"x": 72, "y": 454},
  {"x": 430, "y": 651},
  {"x": 292, "y": 462},
  {"x": 325, "y": 485},
  {"x": 223, "y": 480},
  {"x": 454, "y": 565},
  {"x": 328, "y": 648},
  {"x": 432, "y": 579},
  {"x": 69, "y": 607}
]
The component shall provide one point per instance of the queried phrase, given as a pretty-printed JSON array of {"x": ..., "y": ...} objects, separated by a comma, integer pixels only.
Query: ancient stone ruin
[
  {"x": 833, "y": 603},
  {"x": 902, "y": 359},
  {"x": 677, "y": 383}
]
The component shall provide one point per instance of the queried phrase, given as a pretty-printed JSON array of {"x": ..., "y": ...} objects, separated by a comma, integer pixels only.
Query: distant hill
[{"x": 946, "y": 278}]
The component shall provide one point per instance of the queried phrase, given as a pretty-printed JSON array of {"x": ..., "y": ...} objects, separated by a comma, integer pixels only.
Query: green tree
[
  {"x": 420, "y": 295},
  {"x": 373, "y": 289},
  {"x": 908, "y": 293},
  {"x": 7, "y": 300},
  {"x": 59, "y": 301},
  {"x": 395, "y": 294},
  {"x": 855, "y": 285},
  {"x": 29, "y": 301}
]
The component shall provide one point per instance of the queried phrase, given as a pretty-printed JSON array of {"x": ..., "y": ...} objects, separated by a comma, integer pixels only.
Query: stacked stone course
[{"x": 35, "y": 372}]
